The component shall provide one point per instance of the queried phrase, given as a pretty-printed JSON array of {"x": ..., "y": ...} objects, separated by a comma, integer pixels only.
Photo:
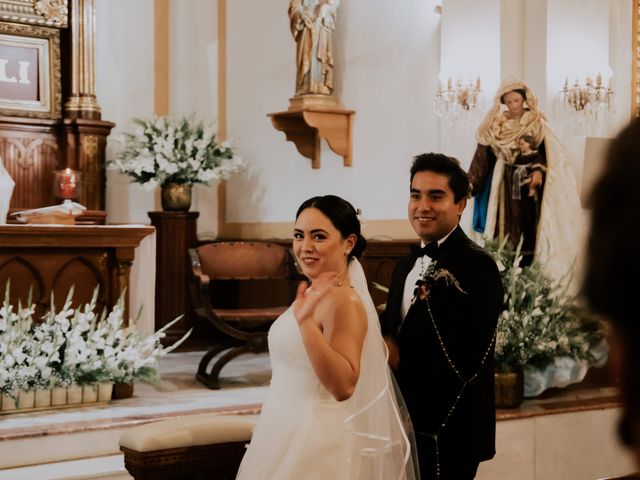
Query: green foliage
[{"x": 540, "y": 320}]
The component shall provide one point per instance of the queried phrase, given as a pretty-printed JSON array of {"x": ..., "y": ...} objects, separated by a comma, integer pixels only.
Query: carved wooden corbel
[{"x": 305, "y": 128}]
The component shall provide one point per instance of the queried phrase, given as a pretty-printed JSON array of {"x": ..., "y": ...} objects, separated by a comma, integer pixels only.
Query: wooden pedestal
[{"x": 175, "y": 234}]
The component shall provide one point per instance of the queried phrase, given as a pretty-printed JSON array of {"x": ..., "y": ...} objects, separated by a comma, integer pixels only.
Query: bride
[{"x": 332, "y": 410}]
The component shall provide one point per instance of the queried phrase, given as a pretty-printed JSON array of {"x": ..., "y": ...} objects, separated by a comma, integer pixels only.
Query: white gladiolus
[
  {"x": 175, "y": 150},
  {"x": 73, "y": 346}
]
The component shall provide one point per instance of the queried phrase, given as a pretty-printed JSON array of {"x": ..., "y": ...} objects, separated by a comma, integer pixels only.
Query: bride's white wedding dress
[{"x": 304, "y": 433}]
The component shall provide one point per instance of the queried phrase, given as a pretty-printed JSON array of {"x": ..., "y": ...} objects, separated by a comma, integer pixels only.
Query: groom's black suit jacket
[{"x": 466, "y": 323}]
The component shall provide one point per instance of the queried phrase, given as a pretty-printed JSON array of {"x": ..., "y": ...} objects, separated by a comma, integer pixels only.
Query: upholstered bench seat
[{"x": 207, "y": 446}]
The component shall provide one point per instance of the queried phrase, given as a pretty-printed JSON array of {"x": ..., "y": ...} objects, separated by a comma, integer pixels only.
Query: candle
[{"x": 68, "y": 182}]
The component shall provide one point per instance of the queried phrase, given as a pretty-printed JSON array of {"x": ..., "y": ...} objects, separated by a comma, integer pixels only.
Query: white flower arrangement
[
  {"x": 74, "y": 347},
  {"x": 162, "y": 150},
  {"x": 540, "y": 321}
]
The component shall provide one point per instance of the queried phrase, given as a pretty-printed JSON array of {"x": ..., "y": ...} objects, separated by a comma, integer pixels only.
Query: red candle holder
[{"x": 67, "y": 184}]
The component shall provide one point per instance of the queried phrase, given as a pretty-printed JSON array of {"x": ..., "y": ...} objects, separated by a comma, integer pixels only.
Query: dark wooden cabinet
[{"x": 175, "y": 234}]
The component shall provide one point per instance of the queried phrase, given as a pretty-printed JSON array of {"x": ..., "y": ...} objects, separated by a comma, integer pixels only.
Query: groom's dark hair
[{"x": 444, "y": 165}]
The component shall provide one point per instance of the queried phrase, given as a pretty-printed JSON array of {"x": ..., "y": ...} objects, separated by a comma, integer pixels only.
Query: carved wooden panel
[
  {"x": 32, "y": 149},
  {"x": 30, "y": 154},
  {"x": 44, "y": 273},
  {"x": 85, "y": 150},
  {"x": 49, "y": 259}
]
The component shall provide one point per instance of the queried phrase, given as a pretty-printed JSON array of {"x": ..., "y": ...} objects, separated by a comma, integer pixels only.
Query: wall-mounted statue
[
  {"x": 312, "y": 26},
  {"x": 314, "y": 112}
]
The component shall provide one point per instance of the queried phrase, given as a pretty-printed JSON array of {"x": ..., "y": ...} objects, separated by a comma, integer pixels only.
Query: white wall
[
  {"x": 578, "y": 41},
  {"x": 470, "y": 49},
  {"x": 193, "y": 85},
  {"x": 471, "y": 41},
  {"x": 124, "y": 89},
  {"x": 388, "y": 60},
  {"x": 387, "y": 66},
  {"x": 587, "y": 38}
]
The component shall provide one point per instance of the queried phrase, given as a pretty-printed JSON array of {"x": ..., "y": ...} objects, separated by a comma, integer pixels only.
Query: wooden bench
[{"x": 201, "y": 446}]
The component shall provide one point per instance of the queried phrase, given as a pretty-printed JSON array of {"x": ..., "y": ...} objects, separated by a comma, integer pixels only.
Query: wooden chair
[{"x": 219, "y": 272}]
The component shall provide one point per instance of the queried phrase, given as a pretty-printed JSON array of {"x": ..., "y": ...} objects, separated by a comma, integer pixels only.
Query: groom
[{"x": 440, "y": 320}]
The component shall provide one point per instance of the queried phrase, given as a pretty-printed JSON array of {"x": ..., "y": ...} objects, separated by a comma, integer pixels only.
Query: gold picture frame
[
  {"x": 30, "y": 71},
  {"x": 52, "y": 13},
  {"x": 635, "y": 67}
]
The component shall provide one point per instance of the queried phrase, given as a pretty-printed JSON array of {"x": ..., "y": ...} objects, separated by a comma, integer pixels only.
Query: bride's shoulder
[
  {"x": 344, "y": 302},
  {"x": 343, "y": 296}
]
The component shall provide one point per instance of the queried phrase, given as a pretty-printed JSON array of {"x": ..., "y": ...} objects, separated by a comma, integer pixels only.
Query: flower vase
[
  {"x": 176, "y": 197},
  {"x": 105, "y": 390},
  {"x": 43, "y": 398},
  {"x": 26, "y": 399},
  {"x": 58, "y": 396},
  {"x": 509, "y": 388},
  {"x": 122, "y": 390},
  {"x": 8, "y": 403},
  {"x": 74, "y": 394},
  {"x": 90, "y": 393}
]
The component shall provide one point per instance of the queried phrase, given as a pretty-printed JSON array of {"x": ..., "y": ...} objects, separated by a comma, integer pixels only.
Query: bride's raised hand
[{"x": 308, "y": 297}]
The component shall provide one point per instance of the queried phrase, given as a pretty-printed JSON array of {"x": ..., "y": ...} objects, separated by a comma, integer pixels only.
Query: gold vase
[
  {"x": 509, "y": 389},
  {"x": 176, "y": 197}
]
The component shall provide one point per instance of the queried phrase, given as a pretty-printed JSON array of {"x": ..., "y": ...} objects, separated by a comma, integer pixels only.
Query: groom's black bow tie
[{"x": 430, "y": 249}]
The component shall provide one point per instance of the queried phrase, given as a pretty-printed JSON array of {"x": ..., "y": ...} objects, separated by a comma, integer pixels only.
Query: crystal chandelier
[
  {"x": 585, "y": 109},
  {"x": 590, "y": 97},
  {"x": 457, "y": 98}
]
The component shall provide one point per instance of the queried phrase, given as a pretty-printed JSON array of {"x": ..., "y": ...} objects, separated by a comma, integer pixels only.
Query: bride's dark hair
[{"x": 342, "y": 215}]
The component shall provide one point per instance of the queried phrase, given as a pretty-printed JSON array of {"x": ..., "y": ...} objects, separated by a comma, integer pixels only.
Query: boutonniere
[{"x": 431, "y": 278}]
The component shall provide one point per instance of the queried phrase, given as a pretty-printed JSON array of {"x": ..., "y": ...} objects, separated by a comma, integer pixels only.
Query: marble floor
[
  {"x": 25, "y": 437},
  {"x": 84, "y": 440},
  {"x": 243, "y": 382}
]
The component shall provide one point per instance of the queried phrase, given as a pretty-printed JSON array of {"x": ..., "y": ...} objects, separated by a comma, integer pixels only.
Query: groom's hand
[{"x": 394, "y": 353}]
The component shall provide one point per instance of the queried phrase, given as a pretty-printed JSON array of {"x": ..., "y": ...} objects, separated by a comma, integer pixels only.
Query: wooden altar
[
  {"x": 50, "y": 259},
  {"x": 49, "y": 114}
]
